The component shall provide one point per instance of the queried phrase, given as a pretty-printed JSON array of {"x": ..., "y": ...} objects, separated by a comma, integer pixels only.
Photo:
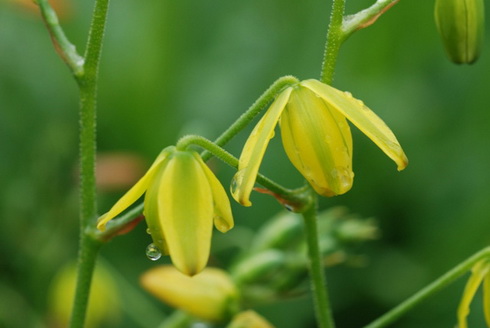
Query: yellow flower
[
  {"x": 183, "y": 198},
  {"x": 316, "y": 138},
  {"x": 249, "y": 319},
  {"x": 210, "y": 295},
  {"x": 480, "y": 274}
]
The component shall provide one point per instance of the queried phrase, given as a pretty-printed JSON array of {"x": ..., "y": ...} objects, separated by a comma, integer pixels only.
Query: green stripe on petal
[
  {"x": 254, "y": 149},
  {"x": 223, "y": 219},
  {"x": 135, "y": 192},
  {"x": 318, "y": 142},
  {"x": 185, "y": 206},
  {"x": 363, "y": 118}
]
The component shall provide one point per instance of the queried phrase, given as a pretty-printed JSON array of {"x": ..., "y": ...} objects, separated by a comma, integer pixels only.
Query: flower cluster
[{"x": 183, "y": 197}]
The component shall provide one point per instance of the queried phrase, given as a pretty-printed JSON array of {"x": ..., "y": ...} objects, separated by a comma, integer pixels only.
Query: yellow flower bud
[
  {"x": 461, "y": 26},
  {"x": 183, "y": 199},
  {"x": 211, "y": 295},
  {"x": 316, "y": 137},
  {"x": 249, "y": 319},
  {"x": 103, "y": 306}
]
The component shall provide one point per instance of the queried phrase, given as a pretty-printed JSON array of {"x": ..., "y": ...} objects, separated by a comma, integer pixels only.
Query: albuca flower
[
  {"x": 183, "y": 198},
  {"x": 316, "y": 138},
  {"x": 480, "y": 274}
]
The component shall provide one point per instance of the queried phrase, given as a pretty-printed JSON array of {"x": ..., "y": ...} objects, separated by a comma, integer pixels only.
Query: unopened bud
[{"x": 461, "y": 26}]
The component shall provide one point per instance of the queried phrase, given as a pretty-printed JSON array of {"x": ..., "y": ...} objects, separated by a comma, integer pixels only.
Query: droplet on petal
[{"x": 153, "y": 252}]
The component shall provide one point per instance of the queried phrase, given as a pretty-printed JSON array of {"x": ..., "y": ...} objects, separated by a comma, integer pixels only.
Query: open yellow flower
[
  {"x": 480, "y": 274},
  {"x": 183, "y": 198},
  {"x": 316, "y": 138}
]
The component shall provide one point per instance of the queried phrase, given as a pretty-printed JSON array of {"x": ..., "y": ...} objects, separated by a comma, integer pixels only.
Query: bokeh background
[{"x": 170, "y": 68}]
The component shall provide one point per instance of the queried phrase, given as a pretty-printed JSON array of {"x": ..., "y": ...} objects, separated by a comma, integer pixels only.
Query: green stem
[
  {"x": 294, "y": 196},
  {"x": 446, "y": 279},
  {"x": 89, "y": 248},
  {"x": 318, "y": 281},
  {"x": 255, "y": 109},
  {"x": 334, "y": 41},
  {"x": 88, "y": 91},
  {"x": 63, "y": 46}
]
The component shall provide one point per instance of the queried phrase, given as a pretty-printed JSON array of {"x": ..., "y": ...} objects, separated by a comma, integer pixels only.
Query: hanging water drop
[
  {"x": 153, "y": 252},
  {"x": 148, "y": 231}
]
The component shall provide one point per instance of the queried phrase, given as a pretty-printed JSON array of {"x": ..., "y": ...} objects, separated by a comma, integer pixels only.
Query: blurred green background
[{"x": 170, "y": 68}]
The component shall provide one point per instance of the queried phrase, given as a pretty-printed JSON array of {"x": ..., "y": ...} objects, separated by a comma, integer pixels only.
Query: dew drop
[
  {"x": 148, "y": 231},
  {"x": 153, "y": 252},
  {"x": 348, "y": 94},
  {"x": 289, "y": 207}
]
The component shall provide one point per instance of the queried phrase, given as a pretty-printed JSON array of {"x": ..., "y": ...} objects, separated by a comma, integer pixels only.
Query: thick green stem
[
  {"x": 317, "y": 274},
  {"x": 334, "y": 41},
  {"x": 449, "y": 277},
  {"x": 89, "y": 247}
]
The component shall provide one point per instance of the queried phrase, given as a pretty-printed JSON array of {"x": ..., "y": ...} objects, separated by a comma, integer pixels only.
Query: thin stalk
[
  {"x": 89, "y": 247},
  {"x": 63, "y": 46},
  {"x": 334, "y": 41},
  {"x": 366, "y": 17},
  {"x": 226, "y": 157},
  {"x": 446, "y": 279},
  {"x": 250, "y": 113},
  {"x": 317, "y": 274}
]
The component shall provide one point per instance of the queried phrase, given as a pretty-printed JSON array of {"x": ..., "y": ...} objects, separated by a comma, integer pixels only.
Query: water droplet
[
  {"x": 236, "y": 181},
  {"x": 148, "y": 231},
  {"x": 153, "y": 252},
  {"x": 348, "y": 94},
  {"x": 290, "y": 208}
]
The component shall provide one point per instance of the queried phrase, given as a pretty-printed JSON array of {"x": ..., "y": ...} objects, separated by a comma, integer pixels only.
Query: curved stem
[
  {"x": 318, "y": 281},
  {"x": 293, "y": 196},
  {"x": 255, "y": 109},
  {"x": 334, "y": 41},
  {"x": 446, "y": 279},
  {"x": 63, "y": 46}
]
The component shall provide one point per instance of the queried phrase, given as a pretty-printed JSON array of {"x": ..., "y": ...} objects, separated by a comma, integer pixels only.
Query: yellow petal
[
  {"x": 152, "y": 214},
  {"x": 185, "y": 206},
  {"x": 254, "y": 149},
  {"x": 486, "y": 298},
  {"x": 135, "y": 192},
  {"x": 318, "y": 142},
  {"x": 477, "y": 275},
  {"x": 363, "y": 118},
  {"x": 249, "y": 319},
  {"x": 223, "y": 219},
  {"x": 208, "y": 295}
]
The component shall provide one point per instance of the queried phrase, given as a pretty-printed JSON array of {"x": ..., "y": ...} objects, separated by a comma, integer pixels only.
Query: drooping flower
[
  {"x": 316, "y": 137},
  {"x": 210, "y": 295},
  {"x": 183, "y": 198},
  {"x": 480, "y": 275}
]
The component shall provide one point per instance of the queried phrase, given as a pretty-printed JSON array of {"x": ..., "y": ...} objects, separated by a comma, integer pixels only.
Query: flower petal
[
  {"x": 477, "y": 275},
  {"x": 254, "y": 149},
  {"x": 486, "y": 298},
  {"x": 185, "y": 206},
  {"x": 318, "y": 142},
  {"x": 363, "y": 118},
  {"x": 135, "y": 192},
  {"x": 223, "y": 219}
]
